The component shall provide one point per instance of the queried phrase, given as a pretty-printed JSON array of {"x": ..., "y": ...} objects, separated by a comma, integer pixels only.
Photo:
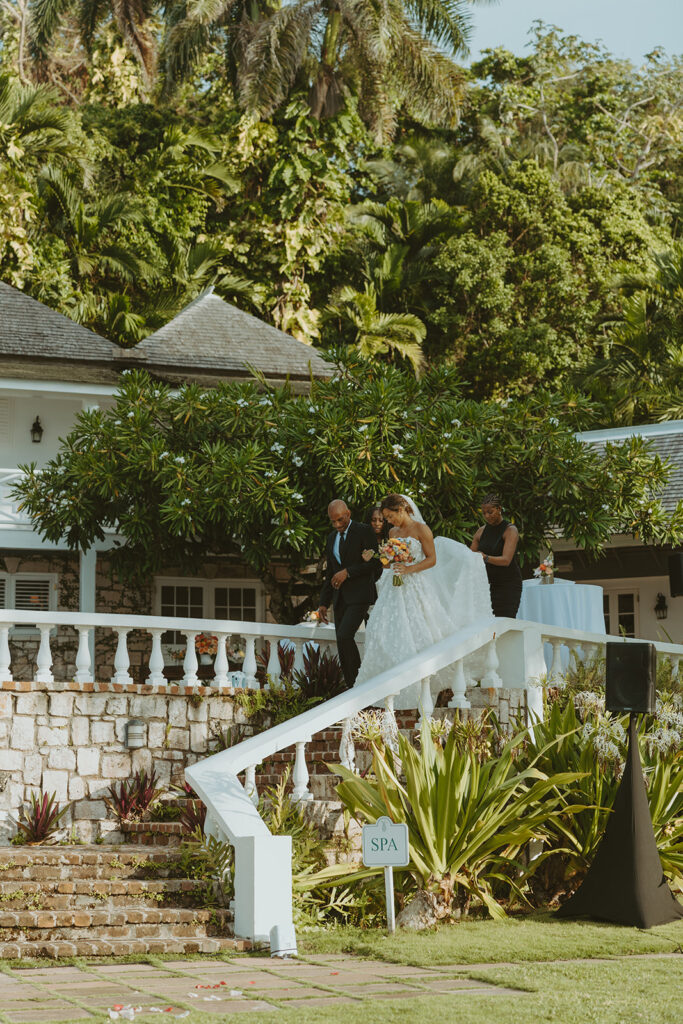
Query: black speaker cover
[
  {"x": 631, "y": 678},
  {"x": 676, "y": 574}
]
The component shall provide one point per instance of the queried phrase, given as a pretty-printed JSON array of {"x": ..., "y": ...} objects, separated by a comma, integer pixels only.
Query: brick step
[
  {"x": 190, "y": 930},
  {"x": 91, "y": 893},
  {"x": 115, "y": 917},
  {"x": 153, "y": 833},
  {"x": 117, "y": 947},
  {"x": 133, "y": 863}
]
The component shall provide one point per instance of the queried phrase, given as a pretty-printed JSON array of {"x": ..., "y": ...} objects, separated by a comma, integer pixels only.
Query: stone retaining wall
[{"x": 70, "y": 739}]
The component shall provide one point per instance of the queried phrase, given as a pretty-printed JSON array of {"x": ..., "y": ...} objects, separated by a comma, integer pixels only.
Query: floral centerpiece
[
  {"x": 206, "y": 643},
  {"x": 546, "y": 570},
  {"x": 395, "y": 551}
]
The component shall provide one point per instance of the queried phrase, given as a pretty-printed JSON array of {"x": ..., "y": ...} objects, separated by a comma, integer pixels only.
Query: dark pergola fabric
[{"x": 625, "y": 883}]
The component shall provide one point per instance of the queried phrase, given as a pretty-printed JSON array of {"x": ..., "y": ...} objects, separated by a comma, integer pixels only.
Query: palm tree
[
  {"x": 133, "y": 19},
  {"x": 389, "y": 54},
  {"x": 33, "y": 128},
  {"x": 374, "y": 333}
]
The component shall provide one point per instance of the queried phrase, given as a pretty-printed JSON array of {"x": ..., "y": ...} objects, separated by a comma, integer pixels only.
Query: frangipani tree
[{"x": 247, "y": 470}]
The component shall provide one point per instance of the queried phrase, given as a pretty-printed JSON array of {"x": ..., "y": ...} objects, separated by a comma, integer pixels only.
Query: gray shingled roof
[
  {"x": 666, "y": 440},
  {"x": 208, "y": 339},
  {"x": 34, "y": 331},
  {"x": 210, "y": 334}
]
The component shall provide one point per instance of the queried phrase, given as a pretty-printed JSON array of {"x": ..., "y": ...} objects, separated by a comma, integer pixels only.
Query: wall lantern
[
  {"x": 135, "y": 734},
  {"x": 36, "y": 431},
  {"x": 661, "y": 607}
]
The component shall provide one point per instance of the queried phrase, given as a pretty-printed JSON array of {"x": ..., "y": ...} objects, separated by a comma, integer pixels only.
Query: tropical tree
[
  {"x": 392, "y": 55},
  {"x": 246, "y": 470},
  {"x": 375, "y": 333}
]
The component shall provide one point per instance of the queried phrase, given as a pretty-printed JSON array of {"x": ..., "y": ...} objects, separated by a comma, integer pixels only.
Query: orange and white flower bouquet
[{"x": 395, "y": 551}]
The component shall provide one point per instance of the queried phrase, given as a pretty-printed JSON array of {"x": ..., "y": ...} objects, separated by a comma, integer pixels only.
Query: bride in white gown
[{"x": 445, "y": 588}]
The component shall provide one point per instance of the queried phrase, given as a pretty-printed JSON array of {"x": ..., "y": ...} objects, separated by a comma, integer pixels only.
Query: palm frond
[{"x": 274, "y": 57}]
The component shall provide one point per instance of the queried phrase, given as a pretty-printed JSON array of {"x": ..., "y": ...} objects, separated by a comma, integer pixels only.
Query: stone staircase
[{"x": 59, "y": 901}]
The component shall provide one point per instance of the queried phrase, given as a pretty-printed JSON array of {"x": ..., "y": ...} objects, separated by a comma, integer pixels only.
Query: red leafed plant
[
  {"x": 131, "y": 798},
  {"x": 193, "y": 817},
  {"x": 41, "y": 819}
]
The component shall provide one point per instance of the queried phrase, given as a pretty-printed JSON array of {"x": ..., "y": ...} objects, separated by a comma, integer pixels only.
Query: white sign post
[{"x": 386, "y": 845}]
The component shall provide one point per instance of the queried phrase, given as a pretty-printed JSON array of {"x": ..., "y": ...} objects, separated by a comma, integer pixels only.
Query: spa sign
[{"x": 385, "y": 844}]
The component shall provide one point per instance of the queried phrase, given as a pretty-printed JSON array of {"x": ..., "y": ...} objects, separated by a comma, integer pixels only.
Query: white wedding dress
[{"x": 430, "y": 606}]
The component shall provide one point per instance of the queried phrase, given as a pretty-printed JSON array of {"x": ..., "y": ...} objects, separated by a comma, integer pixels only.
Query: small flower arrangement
[
  {"x": 206, "y": 643},
  {"x": 546, "y": 568},
  {"x": 311, "y": 617},
  {"x": 395, "y": 551}
]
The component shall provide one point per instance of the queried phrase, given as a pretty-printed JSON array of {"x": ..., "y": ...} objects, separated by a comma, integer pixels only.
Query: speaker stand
[{"x": 625, "y": 883}]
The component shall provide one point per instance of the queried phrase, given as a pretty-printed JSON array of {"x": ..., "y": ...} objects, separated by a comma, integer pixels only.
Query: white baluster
[
  {"x": 298, "y": 656},
  {"x": 389, "y": 726},
  {"x": 273, "y": 668},
  {"x": 556, "y": 671},
  {"x": 459, "y": 698},
  {"x": 156, "y": 659},
  {"x": 675, "y": 666},
  {"x": 300, "y": 776},
  {"x": 190, "y": 664},
  {"x": 221, "y": 664},
  {"x": 249, "y": 664},
  {"x": 250, "y": 783},
  {"x": 44, "y": 658},
  {"x": 347, "y": 748},
  {"x": 121, "y": 659},
  {"x": 491, "y": 678},
  {"x": 84, "y": 673},
  {"x": 5, "y": 656},
  {"x": 426, "y": 703}
]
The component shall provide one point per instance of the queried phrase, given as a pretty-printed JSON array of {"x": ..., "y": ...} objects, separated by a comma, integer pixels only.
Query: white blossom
[
  {"x": 297, "y": 497},
  {"x": 241, "y": 402},
  {"x": 312, "y": 430},
  {"x": 363, "y": 426},
  {"x": 180, "y": 459},
  {"x": 297, "y": 460},
  {"x": 456, "y": 423},
  {"x": 277, "y": 447},
  {"x": 555, "y": 422}
]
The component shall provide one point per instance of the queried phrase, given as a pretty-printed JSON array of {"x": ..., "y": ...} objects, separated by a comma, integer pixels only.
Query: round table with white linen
[{"x": 562, "y": 603}]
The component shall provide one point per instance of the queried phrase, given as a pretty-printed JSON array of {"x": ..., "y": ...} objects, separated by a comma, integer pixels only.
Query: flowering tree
[{"x": 247, "y": 470}]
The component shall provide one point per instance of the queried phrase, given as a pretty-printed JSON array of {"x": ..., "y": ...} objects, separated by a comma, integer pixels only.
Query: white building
[{"x": 52, "y": 368}]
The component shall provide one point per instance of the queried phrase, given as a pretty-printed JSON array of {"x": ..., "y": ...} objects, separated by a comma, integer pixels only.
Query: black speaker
[
  {"x": 631, "y": 678},
  {"x": 676, "y": 574}
]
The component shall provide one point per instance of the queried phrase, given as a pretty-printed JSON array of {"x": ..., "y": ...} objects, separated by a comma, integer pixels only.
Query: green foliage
[
  {"x": 40, "y": 820},
  {"x": 247, "y": 471},
  {"x": 468, "y": 818},
  {"x": 131, "y": 798}
]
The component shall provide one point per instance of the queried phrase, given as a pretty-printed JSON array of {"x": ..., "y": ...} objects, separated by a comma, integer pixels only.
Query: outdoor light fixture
[
  {"x": 36, "y": 431},
  {"x": 135, "y": 734},
  {"x": 661, "y": 607}
]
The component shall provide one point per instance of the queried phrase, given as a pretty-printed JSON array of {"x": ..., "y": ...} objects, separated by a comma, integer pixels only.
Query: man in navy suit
[{"x": 349, "y": 582}]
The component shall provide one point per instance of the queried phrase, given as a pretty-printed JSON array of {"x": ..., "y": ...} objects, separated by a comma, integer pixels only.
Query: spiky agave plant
[
  {"x": 132, "y": 797},
  {"x": 41, "y": 819}
]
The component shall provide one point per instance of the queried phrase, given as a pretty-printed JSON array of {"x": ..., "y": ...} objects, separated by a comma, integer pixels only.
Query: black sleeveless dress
[{"x": 505, "y": 581}]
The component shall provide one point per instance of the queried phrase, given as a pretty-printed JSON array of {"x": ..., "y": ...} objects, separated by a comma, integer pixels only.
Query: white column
[
  {"x": 156, "y": 659},
  {"x": 44, "y": 658},
  {"x": 459, "y": 698},
  {"x": 491, "y": 678},
  {"x": 426, "y": 702},
  {"x": 86, "y": 594},
  {"x": 298, "y": 656},
  {"x": 190, "y": 677},
  {"x": 121, "y": 659},
  {"x": 249, "y": 664},
  {"x": 300, "y": 775},
  {"x": 84, "y": 672},
  {"x": 221, "y": 665},
  {"x": 5, "y": 656},
  {"x": 250, "y": 784},
  {"x": 389, "y": 725},
  {"x": 556, "y": 674},
  {"x": 347, "y": 748},
  {"x": 273, "y": 668}
]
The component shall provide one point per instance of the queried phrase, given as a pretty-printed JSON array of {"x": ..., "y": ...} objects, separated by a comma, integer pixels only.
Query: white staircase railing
[{"x": 513, "y": 657}]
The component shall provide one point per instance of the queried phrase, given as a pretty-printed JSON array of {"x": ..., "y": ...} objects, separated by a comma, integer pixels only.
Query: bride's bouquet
[{"x": 395, "y": 551}]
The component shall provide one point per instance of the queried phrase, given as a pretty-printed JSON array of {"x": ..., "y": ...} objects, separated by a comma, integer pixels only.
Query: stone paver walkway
[{"x": 103, "y": 992}]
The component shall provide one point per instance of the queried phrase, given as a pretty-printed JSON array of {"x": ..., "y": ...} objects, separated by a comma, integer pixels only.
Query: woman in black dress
[{"x": 497, "y": 541}]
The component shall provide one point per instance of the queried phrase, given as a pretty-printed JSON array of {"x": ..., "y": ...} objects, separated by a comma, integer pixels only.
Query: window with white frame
[
  {"x": 241, "y": 600},
  {"x": 621, "y": 612},
  {"x": 29, "y": 592}
]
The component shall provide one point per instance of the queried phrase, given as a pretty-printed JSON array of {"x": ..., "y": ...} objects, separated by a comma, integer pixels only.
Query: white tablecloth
[{"x": 562, "y": 603}]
